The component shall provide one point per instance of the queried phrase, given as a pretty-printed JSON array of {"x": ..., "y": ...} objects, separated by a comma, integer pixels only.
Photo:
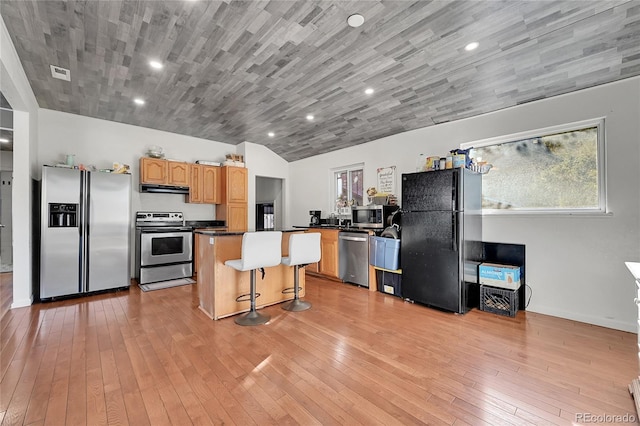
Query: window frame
[
  {"x": 333, "y": 195},
  {"x": 599, "y": 123}
]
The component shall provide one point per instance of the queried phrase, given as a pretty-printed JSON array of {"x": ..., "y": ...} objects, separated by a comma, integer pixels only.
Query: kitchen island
[{"x": 220, "y": 286}]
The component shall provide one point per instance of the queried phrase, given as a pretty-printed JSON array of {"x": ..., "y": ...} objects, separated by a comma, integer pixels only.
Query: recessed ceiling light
[
  {"x": 355, "y": 20},
  {"x": 3, "y": 140},
  {"x": 155, "y": 64},
  {"x": 369, "y": 91},
  {"x": 471, "y": 46},
  {"x": 310, "y": 117},
  {"x": 271, "y": 134},
  {"x": 139, "y": 101}
]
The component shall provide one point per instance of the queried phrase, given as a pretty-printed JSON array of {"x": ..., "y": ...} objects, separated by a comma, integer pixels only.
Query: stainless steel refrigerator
[
  {"x": 441, "y": 230},
  {"x": 85, "y": 231}
]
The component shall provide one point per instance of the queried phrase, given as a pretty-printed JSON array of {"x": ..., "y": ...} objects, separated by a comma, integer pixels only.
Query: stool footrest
[
  {"x": 246, "y": 297},
  {"x": 289, "y": 290}
]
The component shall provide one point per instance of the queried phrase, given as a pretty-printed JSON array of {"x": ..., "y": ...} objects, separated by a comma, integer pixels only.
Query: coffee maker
[{"x": 315, "y": 217}]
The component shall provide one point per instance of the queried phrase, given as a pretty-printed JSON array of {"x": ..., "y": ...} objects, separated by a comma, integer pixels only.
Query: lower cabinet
[
  {"x": 328, "y": 265},
  {"x": 237, "y": 214}
]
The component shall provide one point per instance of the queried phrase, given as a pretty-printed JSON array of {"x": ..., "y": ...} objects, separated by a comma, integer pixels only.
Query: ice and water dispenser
[{"x": 63, "y": 215}]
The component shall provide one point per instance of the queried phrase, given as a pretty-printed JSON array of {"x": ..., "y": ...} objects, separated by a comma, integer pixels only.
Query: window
[
  {"x": 347, "y": 185},
  {"x": 559, "y": 169}
]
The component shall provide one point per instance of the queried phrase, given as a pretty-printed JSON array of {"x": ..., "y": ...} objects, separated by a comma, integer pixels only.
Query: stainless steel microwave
[{"x": 373, "y": 216}]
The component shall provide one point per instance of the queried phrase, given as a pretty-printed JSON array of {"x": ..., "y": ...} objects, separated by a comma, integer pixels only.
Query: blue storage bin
[{"x": 384, "y": 252}]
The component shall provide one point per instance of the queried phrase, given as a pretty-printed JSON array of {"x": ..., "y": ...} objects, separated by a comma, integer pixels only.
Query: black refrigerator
[{"x": 441, "y": 231}]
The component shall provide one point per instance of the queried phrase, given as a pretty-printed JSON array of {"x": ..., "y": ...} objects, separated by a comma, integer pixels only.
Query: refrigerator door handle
[
  {"x": 454, "y": 231},
  {"x": 84, "y": 230},
  {"x": 454, "y": 190}
]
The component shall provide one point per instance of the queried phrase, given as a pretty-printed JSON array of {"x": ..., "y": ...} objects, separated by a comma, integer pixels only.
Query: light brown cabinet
[
  {"x": 205, "y": 184},
  {"x": 164, "y": 172},
  {"x": 236, "y": 185},
  {"x": 178, "y": 173},
  {"x": 237, "y": 214},
  {"x": 153, "y": 170},
  {"x": 211, "y": 193},
  {"x": 234, "y": 197},
  {"x": 328, "y": 264}
]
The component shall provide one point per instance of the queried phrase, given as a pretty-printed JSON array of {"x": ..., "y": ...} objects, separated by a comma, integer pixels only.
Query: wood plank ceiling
[{"x": 236, "y": 70}]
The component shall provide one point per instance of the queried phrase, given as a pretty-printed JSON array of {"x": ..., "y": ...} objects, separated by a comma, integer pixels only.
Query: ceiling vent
[{"x": 60, "y": 73}]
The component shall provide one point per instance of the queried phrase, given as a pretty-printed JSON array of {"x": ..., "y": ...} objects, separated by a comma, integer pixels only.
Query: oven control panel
[{"x": 158, "y": 216}]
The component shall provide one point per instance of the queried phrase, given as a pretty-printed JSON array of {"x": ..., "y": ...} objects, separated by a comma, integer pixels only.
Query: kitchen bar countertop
[
  {"x": 195, "y": 224},
  {"x": 339, "y": 228},
  {"x": 223, "y": 291},
  {"x": 220, "y": 233}
]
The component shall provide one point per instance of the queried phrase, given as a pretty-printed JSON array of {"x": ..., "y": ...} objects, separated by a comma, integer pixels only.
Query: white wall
[
  {"x": 101, "y": 143},
  {"x": 261, "y": 161},
  {"x": 15, "y": 87},
  {"x": 575, "y": 264}
]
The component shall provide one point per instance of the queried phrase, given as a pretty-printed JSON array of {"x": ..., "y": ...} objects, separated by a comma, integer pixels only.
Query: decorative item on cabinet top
[{"x": 236, "y": 160}]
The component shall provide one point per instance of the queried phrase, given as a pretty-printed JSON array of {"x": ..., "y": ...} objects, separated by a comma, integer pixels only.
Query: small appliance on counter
[
  {"x": 372, "y": 216},
  {"x": 315, "y": 217}
]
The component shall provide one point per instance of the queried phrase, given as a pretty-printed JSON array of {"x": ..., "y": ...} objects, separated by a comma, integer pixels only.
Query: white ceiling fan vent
[{"x": 60, "y": 73}]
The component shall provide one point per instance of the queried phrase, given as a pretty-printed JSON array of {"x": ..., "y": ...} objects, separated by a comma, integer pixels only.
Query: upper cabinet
[
  {"x": 179, "y": 173},
  {"x": 164, "y": 172},
  {"x": 234, "y": 197},
  {"x": 205, "y": 185},
  {"x": 211, "y": 193},
  {"x": 195, "y": 190},
  {"x": 237, "y": 185},
  {"x": 153, "y": 170}
]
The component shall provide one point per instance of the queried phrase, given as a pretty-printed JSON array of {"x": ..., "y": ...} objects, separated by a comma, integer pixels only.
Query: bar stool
[
  {"x": 303, "y": 249},
  {"x": 259, "y": 250}
]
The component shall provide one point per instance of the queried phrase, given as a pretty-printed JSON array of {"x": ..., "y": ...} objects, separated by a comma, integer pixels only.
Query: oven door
[{"x": 162, "y": 247}]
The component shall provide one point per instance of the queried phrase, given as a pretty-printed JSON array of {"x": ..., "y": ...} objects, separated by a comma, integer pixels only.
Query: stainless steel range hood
[{"x": 164, "y": 189}]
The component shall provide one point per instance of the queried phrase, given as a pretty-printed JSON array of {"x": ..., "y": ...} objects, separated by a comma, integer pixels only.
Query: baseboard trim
[
  {"x": 602, "y": 322},
  {"x": 21, "y": 303}
]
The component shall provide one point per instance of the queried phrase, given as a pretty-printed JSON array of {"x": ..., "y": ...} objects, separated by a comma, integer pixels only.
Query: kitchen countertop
[
  {"x": 195, "y": 224},
  {"x": 217, "y": 233},
  {"x": 339, "y": 228}
]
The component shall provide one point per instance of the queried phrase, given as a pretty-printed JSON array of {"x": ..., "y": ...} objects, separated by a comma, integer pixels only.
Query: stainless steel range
[{"x": 164, "y": 247}]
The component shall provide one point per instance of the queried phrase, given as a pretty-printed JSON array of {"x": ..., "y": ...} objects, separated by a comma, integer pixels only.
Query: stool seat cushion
[
  {"x": 303, "y": 249},
  {"x": 259, "y": 250},
  {"x": 235, "y": 264}
]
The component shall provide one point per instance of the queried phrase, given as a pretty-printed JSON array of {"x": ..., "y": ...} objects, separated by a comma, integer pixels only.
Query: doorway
[
  {"x": 6, "y": 184},
  {"x": 269, "y": 208}
]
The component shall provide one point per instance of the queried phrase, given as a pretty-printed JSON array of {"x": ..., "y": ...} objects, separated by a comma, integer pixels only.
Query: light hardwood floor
[{"x": 354, "y": 358}]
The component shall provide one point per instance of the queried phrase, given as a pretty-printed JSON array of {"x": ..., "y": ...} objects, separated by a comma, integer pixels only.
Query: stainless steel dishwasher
[{"x": 353, "y": 248}]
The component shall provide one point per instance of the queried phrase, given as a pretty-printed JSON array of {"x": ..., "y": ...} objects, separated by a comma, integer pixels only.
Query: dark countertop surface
[
  {"x": 338, "y": 228},
  {"x": 205, "y": 223},
  {"x": 217, "y": 233}
]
